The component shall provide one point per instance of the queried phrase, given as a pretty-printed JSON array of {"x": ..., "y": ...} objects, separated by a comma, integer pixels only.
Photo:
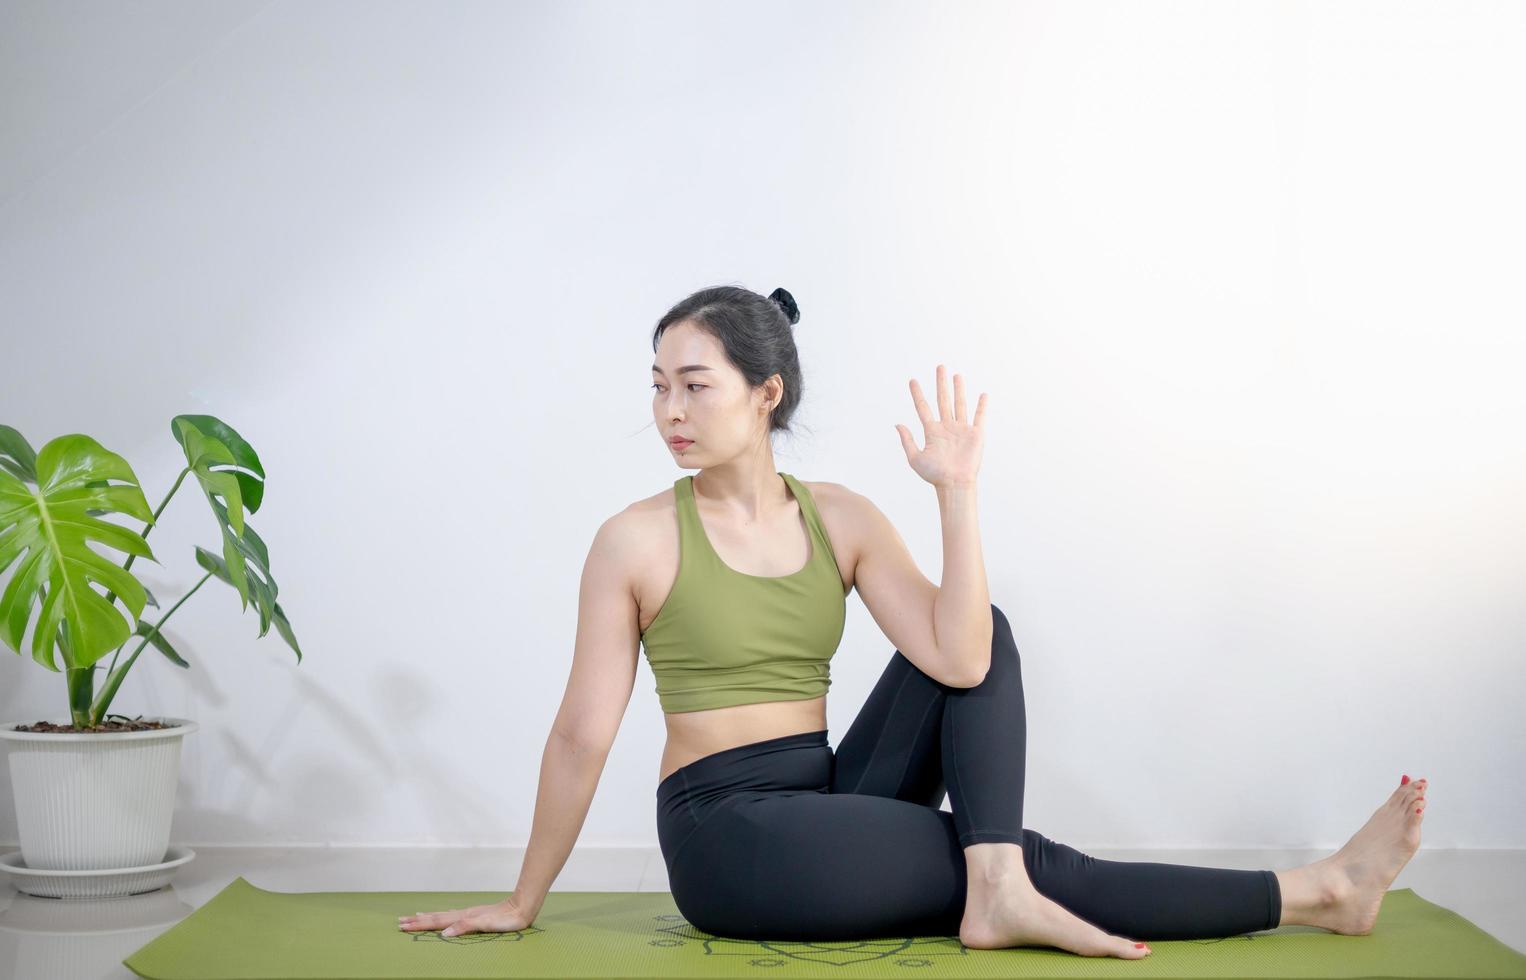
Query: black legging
[{"x": 783, "y": 839}]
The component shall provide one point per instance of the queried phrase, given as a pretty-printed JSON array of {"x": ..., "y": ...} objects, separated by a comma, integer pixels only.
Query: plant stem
[
  {"x": 114, "y": 680},
  {"x": 111, "y": 596},
  {"x": 162, "y": 504}
]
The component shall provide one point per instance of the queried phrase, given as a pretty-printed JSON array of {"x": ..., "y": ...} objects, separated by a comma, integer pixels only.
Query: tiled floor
[{"x": 46, "y": 939}]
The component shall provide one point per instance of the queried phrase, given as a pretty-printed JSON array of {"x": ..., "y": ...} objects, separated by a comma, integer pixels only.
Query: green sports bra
[{"x": 724, "y": 638}]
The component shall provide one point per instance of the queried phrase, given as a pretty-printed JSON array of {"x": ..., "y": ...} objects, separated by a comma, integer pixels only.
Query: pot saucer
[{"x": 94, "y": 882}]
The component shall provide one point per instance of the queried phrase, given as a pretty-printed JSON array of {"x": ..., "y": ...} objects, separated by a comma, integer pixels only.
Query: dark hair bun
[{"x": 786, "y": 303}]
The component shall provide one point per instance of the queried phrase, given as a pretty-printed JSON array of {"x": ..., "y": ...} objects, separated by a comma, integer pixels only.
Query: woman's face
[{"x": 710, "y": 403}]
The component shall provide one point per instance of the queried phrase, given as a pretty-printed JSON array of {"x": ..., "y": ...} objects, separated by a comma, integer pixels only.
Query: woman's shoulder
[
  {"x": 661, "y": 501},
  {"x": 645, "y": 524},
  {"x": 828, "y": 494}
]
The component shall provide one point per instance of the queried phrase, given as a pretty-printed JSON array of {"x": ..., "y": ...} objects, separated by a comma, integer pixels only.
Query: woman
[{"x": 735, "y": 581}]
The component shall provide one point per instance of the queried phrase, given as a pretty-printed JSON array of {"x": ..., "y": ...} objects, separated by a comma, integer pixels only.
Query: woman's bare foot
[
  {"x": 1009, "y": 911},
  {"x": 1358, "y": 875}
]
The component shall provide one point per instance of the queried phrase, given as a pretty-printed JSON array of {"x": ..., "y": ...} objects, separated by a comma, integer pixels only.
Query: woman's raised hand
[
  {"x": 952, "y": 454},
  {"x": 504, "y": 916}
]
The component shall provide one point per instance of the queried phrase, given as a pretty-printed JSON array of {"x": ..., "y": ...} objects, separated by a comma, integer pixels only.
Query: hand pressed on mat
[{"x": 504, "y": 916}]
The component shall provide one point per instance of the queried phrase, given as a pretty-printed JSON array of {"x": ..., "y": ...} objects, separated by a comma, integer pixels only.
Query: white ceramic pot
[{"x": 100, "y": 801}]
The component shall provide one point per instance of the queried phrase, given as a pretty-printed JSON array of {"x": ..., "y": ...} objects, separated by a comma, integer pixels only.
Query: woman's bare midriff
[{"x": 692, "y": 735}]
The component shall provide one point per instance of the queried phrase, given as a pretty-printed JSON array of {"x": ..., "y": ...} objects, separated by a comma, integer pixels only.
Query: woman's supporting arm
[{"x": 569, "y": 775}]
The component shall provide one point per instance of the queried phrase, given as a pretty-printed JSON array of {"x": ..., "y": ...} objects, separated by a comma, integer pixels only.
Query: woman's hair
[{"x": 757, "y": 333}]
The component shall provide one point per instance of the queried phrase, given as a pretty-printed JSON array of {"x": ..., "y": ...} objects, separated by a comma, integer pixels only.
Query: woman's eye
[{"x": 687, "y": 386}]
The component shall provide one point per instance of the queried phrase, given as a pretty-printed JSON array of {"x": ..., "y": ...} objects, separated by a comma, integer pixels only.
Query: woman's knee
[{"x": 1003, "y": 643}]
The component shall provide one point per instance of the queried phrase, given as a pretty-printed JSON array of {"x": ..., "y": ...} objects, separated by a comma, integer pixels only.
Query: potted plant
[{"x": 95, "y": 794}]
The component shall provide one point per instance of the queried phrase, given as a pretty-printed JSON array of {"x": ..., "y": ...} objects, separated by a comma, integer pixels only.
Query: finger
[
  {"x": 944, "y": 411},
  {"x": 428, "y": 916},
  {"x": 960, "y": 411},
  {"x": 458, "y": 927},
  {"x": 427, "y": 920},
  {"x": 980, "y": 409},
  {"x": 907, "y": 442},
  {"x": 924, "y": 412}
]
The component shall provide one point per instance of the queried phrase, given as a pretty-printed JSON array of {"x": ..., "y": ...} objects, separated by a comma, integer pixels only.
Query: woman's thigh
[{"x": 812, "y": 866}]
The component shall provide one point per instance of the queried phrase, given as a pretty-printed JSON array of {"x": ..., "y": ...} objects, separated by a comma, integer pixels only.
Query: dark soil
[{"x": 125, "y": 725}]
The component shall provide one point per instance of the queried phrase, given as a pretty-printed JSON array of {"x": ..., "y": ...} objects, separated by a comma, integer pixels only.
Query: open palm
[{"x": 951, "y": 456}]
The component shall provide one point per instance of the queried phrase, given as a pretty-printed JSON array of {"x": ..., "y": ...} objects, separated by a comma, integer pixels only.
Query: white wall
[{"x": 1242, "y": 281}]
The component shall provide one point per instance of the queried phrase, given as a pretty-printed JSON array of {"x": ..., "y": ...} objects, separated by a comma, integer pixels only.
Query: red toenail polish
[
  {"x": 1139, "y": 945},
  {"x": 1404, "y": 780}
]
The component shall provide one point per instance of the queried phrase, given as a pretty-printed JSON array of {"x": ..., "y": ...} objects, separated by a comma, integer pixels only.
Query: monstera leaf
[
  {"x": 245, "y": 563},
  {"x": 16, "y": 456},
  {"x": 208, "y": 441},
  {"x": 147, "y": 629},
  {"x": 264, "y": 589},
  {"x": 46, "y": 532}
]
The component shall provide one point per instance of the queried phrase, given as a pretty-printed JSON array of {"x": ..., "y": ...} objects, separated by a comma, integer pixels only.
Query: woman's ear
[{"x": 775, "y": 386}]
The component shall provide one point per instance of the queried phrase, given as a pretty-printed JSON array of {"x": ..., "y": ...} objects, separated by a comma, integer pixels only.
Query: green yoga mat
[{"x": 245, "y": 932}]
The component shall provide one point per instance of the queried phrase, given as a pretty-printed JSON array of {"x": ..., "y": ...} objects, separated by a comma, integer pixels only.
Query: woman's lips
[{"x": 680, "y": 443}]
